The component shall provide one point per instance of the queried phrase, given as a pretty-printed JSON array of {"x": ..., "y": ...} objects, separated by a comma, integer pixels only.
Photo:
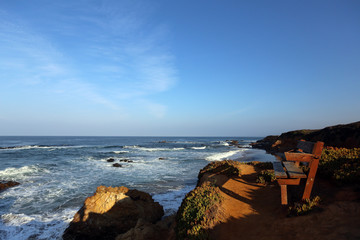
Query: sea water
[{"x": 56, "y": 174}]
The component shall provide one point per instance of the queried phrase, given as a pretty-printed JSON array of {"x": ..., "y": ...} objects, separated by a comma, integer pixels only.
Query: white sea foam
[
  {"x": 19, "y": 173},
  {"x": 120, "y": 152},
  {"x": 246, "y": 146},
  {"x": 45, "y": 226},
  {"x": 219, "y": 144},
  {"x": 160, "y": 149},
  {"x": 132, "y": 146},
  {"x": 224, "y": 155},
  {"x": 172, "y": 199},
  {"x": 27, "y": 147},
  {"x": 198, "y": 148},
  {"x": 154, "y": 149}
]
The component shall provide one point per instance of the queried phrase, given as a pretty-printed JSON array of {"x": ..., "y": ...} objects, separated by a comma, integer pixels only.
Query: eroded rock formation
[{"x": 112, "y": 211}]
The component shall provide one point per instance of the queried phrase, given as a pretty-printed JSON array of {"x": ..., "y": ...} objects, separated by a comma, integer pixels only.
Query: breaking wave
[{"x": 225, "y": 155}]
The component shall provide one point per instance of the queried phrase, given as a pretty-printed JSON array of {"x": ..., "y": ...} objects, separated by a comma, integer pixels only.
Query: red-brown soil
[{"x": 253, "y": 211}]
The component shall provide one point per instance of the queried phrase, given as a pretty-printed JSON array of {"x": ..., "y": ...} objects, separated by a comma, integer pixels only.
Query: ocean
[{"x": 56, "y": 174}]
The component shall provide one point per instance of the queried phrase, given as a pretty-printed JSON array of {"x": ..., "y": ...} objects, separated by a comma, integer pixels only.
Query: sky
[{"x": 177, "y": 68}]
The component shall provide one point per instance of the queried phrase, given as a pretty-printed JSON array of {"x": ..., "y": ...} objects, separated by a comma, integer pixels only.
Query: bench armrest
[{"x": 299, "y": 157}]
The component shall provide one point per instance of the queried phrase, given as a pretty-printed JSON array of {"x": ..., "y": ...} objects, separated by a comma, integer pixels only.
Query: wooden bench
[{"x": 287, "y": 171}]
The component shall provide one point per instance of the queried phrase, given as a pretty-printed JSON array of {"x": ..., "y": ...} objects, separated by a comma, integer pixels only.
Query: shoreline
[
  {"x": 57, "y": 174},
  {"x": 338, "y": 203}
]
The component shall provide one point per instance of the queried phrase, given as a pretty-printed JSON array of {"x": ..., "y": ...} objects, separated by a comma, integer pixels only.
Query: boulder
[
  {"x": 7, "y": 184},
  {"x": 110, "y": 160},
  {"x": 117, "y": 165},
  {"x": 112, "y": 211}
]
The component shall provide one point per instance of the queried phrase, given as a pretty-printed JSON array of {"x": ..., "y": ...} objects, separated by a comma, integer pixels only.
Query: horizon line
[{"x": 119, "y": 136}]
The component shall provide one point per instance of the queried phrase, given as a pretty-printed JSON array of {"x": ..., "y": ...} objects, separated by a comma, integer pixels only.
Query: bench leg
[
  {"x": 284, "y": 200},
  {"x": 311, "y": 178},
  {"x": 308, "y": 188}
]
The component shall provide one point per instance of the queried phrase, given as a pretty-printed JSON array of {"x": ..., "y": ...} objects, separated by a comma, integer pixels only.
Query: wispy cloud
[
  {"x": 25, "y": 57},
  {"x": 130, "y": 44},
  {"x": 108, "y": 52}
]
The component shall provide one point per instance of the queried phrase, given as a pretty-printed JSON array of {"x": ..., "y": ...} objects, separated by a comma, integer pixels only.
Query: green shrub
[
  {"x": 266, "y": 176},
  {"x": 229, "y": 168},
  {"x": 304, "y": 207},
  {"x": 341, "y": 165},
  {"x": 198, "y": 212}
]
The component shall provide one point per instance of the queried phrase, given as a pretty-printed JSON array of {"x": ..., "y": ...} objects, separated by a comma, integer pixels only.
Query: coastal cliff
[
  {"x": 232, "y": 200},
  {"x": 341, "y": 136}
]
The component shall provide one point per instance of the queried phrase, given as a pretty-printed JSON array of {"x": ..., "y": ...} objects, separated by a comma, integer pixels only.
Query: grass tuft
[
  {"x": 304, "y": 207},
  {"x": 266, "y": 176}
]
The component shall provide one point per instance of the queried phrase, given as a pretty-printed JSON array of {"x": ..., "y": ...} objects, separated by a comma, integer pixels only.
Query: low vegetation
[
  {"x": 265, "y": 171},
  {"x": 266, "y": 176},
  {"x": 342, "y": 165},
  {"x": 304, "y": 207},
  {"x": 229, "y": 168},
  {"x": 198, "y": 212}
]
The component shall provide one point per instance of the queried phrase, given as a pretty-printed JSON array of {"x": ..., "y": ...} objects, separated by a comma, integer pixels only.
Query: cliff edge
[{"x": 343, "y": 135}]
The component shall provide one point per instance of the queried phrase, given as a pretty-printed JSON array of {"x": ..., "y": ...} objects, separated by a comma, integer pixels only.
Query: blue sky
[{"x": 177, "y": 68}]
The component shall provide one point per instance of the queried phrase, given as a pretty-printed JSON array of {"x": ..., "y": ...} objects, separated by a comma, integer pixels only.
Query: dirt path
[{"x": 253, "y": 211}]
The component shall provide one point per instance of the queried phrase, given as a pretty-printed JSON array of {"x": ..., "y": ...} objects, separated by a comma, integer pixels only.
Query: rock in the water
[
  {"x": 7, "y": 184},
  {"x": 233, "y": 142},
  {"x": 110, "y": 160},
  {"x": 125, "y": 160},
  {"x": 112, "y": 211},
  {"x": 117, "y": 165}
]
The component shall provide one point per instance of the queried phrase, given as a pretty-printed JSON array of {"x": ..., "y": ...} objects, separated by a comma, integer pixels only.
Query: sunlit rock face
[{"x": 112, "y": 211}]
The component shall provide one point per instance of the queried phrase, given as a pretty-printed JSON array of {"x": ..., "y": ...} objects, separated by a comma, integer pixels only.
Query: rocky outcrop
[
  {"x": 347, "y": 136},
  {"x": 143, "y": 230},
  {"x": 112, "y": 211},
  {"x": 7, "y": 184},
  {"x": 265, "y": 143}
]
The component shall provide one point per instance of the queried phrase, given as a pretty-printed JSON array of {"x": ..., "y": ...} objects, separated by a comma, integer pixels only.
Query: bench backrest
[{"x": 310, "y": 147}]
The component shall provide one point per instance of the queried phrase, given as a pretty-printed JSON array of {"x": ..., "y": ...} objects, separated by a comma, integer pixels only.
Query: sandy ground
[{"x": 253, "y": 211}]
